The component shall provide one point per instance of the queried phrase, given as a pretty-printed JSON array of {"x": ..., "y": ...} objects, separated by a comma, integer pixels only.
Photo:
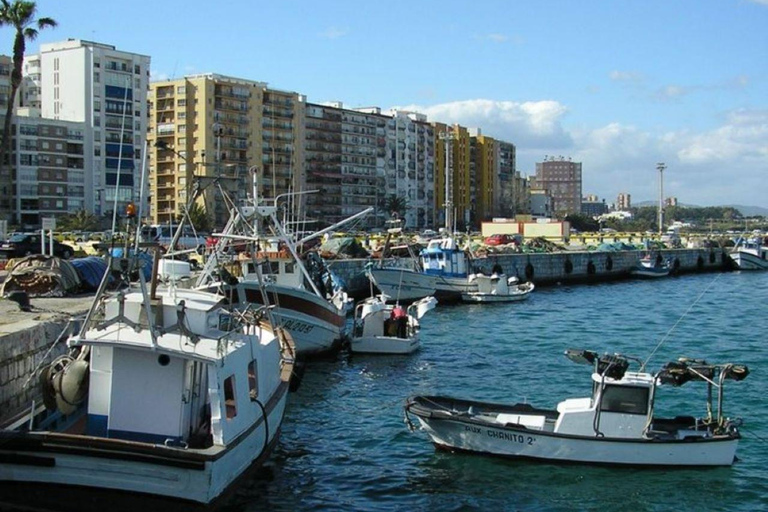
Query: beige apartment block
[{"x": 209, "y": 131}]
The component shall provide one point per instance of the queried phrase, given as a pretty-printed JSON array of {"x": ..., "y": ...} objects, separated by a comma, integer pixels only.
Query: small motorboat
[
  {"x": 615, "y": 425},
  {"x": 648, "y": 266},
  {"x": 497, "y": 288},
  {"x": 750, "y": 254},
  {"x": 381, "y": 328}
]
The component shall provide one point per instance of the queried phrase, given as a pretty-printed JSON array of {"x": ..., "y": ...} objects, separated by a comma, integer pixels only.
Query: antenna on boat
[{"x": 664, "y": 338}]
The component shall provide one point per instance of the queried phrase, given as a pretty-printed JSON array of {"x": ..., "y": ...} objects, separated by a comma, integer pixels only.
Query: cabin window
[
  {"x": 625, "y": 399},
  {"x": 226, "y": 322},
  {"x": 289, "y": 267},
  {"x": 229, "y": 397},
  {"x": 253, "y": 381}
]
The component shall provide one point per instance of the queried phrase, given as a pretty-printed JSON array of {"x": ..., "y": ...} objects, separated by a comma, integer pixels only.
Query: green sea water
[{"x": 345, "y": 446}]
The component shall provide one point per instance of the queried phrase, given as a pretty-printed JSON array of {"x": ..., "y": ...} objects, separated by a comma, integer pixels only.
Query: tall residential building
[
  {"x": 562, "y": 178},
  {"x": 452, "y": 163},
  {"x": 504, "y": 195},
  {"x": 484, "y": 173},
  {"x": 410, "y": 165},
  {"x": 207, "y": 126},
  {"x": 344, "y": 163},
  {"x": 624, "y": 202},
  {"x": 50, "y": 167},
  {"x": 106, "y": 89},
  {"x": 225, "y": 130},
  {"x": 492, "y": 182},
  {"x": 7, "y": 172}
]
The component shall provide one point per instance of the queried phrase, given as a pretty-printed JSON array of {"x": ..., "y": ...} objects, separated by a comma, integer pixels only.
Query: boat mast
[{"x": 661, "y": 166}]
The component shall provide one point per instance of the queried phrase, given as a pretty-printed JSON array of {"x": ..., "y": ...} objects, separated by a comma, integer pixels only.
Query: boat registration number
[
  {"x": 508, "y": 436},
  {"x": 298, "y": 326}
]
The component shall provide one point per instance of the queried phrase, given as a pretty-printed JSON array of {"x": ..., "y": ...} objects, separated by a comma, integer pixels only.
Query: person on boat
[{"x": 398, "y": 321}]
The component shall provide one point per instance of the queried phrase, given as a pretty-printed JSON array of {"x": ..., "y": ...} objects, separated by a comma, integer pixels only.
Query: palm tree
[
  {"x": 80, "y": 220},
  {"x": 20, "y": 15}
]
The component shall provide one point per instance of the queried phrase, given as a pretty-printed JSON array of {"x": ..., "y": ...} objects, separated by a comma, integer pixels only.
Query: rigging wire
[{"x": 664, "y": 338}]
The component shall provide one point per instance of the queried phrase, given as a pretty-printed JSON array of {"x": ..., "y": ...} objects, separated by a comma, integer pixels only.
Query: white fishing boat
[
  {"x": 307, "y": 298},
  {"x": 404, "y": 281},
  {"x": 402, "y": 284},
  {"x": 166, "y": 392},
  {"x": 381, "y": 328},
  {"x": 750, "y": 255},
  {"x": 497, "y": 288},
  {"x": 651, "y": 267},
  {"x": 311, "y": 309},
  {"x": 615, "y": 425},
  {"x": 450, "y": 266}
]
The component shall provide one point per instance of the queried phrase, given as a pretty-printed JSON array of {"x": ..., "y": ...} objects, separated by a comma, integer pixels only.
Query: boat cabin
[
  {"x": 442, "y": 257},
  {"x": 617, "y": 407},
  {"x": 191, "y": 386}
]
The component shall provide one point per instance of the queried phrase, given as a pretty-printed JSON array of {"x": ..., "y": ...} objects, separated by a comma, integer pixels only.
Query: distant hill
[{"x": 747, "y": 211}]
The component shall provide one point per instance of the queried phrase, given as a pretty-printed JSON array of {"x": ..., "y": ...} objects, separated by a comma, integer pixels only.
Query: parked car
[
  {"x": 502, "y": 239},
  {"x": 24, "y": 244}
]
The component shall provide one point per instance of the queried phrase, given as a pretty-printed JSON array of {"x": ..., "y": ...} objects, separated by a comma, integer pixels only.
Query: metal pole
[{"x": 661, "y": 166}]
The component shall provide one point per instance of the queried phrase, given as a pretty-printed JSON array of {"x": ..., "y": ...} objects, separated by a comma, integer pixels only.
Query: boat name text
[{"x": 509, "y": 436}]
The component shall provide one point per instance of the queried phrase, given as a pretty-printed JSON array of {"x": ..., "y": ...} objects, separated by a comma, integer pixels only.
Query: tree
[
  {"x": 199, "y": 218},
  {"x": 20, "y": 15},
  {"x": 396, "y": 204},
  {"x": 81, "y": 220}
]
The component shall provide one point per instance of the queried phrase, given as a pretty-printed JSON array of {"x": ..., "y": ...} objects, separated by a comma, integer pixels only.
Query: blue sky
[{"x": 618, "y": 85}]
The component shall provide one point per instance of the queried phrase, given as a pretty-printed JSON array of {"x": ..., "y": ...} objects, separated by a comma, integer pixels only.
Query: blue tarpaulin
[{"x": 91, "y": 270}]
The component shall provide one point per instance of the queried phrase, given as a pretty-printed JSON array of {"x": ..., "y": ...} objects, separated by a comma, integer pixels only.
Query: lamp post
[{"x": 661, "y": 166}]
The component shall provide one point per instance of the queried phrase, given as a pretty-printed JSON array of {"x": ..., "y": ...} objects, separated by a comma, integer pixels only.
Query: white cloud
[
  {"x": 496, "y": 38},
  {"x": 534, "y": 124},
  {"x": 626, "y": 76},
  {"x": 725, "y": 165},
  {"x": 334, "y": 33}
]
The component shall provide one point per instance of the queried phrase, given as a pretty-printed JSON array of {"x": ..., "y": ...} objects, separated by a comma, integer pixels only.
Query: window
[
  {"x": 229, "y": 397},
  {"x": 253, "y": 381},
  {"x": 625, "y": 399}
]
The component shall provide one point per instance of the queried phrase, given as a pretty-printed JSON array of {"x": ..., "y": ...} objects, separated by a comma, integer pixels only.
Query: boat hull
[
  {"x": 461, "y": 432},
  {"x": 115, "y": 465},
  {"x": 748, "y": 261},
  {"x": 449, "y": 288},
  {"x": 400, "y": 284},
  {"x": 649, "y": 272},
  {"x": 492, "y": 297},
  {"x": 384, "y": 345},
  {"x": 315, "y": 325}
]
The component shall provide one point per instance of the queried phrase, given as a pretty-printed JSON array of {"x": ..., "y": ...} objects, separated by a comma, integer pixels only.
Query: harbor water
[{"x": 345, "y": 445}]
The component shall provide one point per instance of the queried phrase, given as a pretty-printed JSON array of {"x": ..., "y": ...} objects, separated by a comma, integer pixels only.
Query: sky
[{"x": 618, "y": 85}]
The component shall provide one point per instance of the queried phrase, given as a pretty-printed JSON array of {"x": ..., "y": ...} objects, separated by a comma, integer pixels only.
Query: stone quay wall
[
  {"x": 553, "y": 268},
  {"x": 21, "y": 352}
]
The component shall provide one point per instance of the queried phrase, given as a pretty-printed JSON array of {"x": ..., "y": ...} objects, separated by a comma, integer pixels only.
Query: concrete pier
[{"x": 553, "y": 268}]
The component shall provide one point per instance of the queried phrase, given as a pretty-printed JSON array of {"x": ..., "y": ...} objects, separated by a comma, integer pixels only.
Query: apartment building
[
  {"x": 562, "y": 178},
  {"x": 453, "y": 175},
  {"x": 7, "y": 173},
  {"x": 344, "y": 163},
  {"x": 51, "y": 168},
  {"x": 410, "y": 166},
  {"x": 624, "y": 202},
  {"x": 106, "y": 89}
]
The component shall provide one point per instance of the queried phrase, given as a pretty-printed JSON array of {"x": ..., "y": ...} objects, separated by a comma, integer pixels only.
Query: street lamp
[{"x": 661, "y": 166}]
